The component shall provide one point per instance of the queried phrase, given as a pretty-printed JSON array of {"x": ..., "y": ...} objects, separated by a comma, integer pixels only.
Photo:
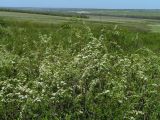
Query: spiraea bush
[{"x": 83, "y": 77}]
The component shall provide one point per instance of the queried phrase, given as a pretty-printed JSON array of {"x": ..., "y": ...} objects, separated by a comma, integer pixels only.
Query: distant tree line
[
  {"x": 127, "y": 16},
  {"x": 63, "y": 14}
]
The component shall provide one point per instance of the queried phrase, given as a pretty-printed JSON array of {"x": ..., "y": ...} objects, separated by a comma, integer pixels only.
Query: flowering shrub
[{"x": 99, "y": 81}]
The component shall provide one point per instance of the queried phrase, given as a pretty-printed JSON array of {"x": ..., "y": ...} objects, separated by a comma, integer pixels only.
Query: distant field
[
  {"x": 55, "y": 19},
  {"x": 144, "y": 24},
  {"x": 138, "y": 13},
  {"x": 146, "y": 14},
  {"x": 33, "y": 17}
]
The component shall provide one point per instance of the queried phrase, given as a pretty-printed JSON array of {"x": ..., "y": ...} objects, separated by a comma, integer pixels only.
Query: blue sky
[{"x": 119, "y": 4}]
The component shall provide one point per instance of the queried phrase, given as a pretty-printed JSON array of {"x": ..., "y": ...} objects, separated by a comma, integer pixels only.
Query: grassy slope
[{"x": 33, "y": 17}]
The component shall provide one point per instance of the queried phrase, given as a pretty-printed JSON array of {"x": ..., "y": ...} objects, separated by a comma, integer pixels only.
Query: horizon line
[{"x": 82, "y": 8}]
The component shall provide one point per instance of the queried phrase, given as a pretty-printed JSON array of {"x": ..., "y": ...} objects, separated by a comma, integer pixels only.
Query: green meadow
[{"x": 68, "y": 68}]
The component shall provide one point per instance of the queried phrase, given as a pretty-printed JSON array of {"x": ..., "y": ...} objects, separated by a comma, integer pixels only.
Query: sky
[{"x": 107, "y": 4}]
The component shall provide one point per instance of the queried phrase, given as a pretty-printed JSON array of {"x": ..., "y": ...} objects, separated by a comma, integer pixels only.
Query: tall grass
[{"x": 74, "y": 72}]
